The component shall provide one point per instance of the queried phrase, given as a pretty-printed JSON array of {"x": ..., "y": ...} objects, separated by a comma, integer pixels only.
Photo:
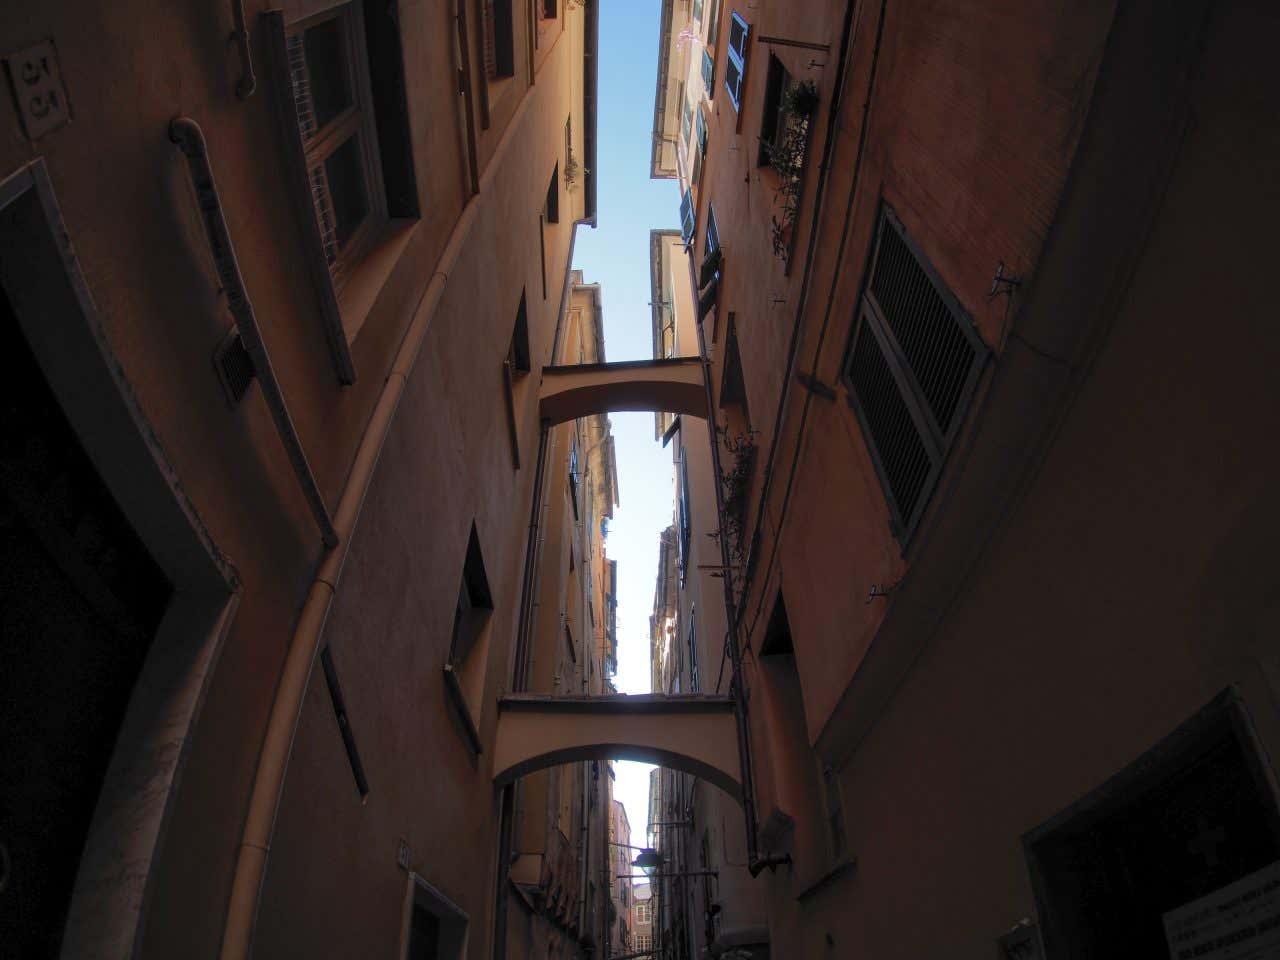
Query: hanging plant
[{"x": 787, "y": 155}]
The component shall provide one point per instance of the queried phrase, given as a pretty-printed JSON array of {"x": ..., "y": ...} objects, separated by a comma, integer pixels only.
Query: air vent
[
  {"x": 911, "y": 367},
  {"x": 929, "y": 331},
  {"x": 234, "y": 367},
  {"x": 905, "y": 461}
]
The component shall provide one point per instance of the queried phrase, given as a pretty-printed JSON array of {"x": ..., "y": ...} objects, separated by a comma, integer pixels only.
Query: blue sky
[{"x": 616, "y": 255}]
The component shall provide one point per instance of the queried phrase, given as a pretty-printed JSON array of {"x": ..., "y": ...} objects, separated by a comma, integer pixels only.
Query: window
[
  {"x": 776, "y": 85},
  {"x": 547, "y": 9},
  {"x": 697, "y": 10},
  {"x": 573, "y": 475},
  {"x": 736, "y": 59},
  {"x": 911, "y": 366},
  {"x": 835, "y": 814},
  {"x": 694, "y": 683},
  {"x": 469, "y": 645},
  {"x": 553, "y": 195},
  {"x": 686, "y": 123},
  {"x": 708, "y": 73},
  {"x": 1195, "y": 814},
  {"x": 687, "y": 217},
  {"x": 344, "y": 720},
  {"x": 733, "y": 389},
  {"x": 435, "y": 928},
  {"x": 514, "y": 366},
  {"x": 713, "y": 24},
  {"x": 499, "y": 48},
  {"x": 686, "y": 521},
  {"x": 340, "y": 85}
]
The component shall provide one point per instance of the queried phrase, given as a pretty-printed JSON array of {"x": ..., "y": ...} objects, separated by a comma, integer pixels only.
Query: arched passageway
[
  {"x": 696, "y": 734},
  {"x": 581, "y": 390}
]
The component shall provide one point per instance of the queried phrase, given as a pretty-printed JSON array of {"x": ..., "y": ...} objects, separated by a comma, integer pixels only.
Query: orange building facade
[
  {"x": 279, "y": 285},
  {"x": 993, "y": 517}
]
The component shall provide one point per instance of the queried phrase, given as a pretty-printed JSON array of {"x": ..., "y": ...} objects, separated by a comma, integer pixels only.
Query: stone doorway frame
[{"x": 57, "y": 315}]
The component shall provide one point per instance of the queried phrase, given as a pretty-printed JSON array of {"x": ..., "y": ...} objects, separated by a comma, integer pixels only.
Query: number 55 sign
[{"x": 38, "y": 89}]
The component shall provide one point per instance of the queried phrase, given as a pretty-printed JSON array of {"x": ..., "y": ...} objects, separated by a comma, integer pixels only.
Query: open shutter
[
  {"x": 687, "y": 217},
  {"x": 736, "y": 59}
]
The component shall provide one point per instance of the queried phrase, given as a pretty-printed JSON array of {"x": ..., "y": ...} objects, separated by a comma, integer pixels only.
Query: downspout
[
  {"x": 794, "y": 348},
  {"x": 273, "y": 760},
  {"x": 255, "y": 843},
  {"x": 186, "y": 133}
]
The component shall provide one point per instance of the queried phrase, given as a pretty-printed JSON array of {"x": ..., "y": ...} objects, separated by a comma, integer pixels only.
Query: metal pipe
[
  {"x": 273, "y": 760},
  {"x": 186, "y": 133},
  {"x": 248, "y": 82},
  {"x": 793, "y": 351},
  {"x": 731, "y": 611}
]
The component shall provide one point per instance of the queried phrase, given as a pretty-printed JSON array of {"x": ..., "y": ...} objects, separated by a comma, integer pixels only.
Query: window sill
[
  {"x": 839, "y": 869},
  {"x": 367, "y": 280},
  {"x": 459, "y": 698}
]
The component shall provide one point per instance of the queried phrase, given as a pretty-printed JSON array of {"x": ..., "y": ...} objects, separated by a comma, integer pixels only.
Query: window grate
[
  {"x": 905, "y": 460},
  {"x": 926, "y": 328},
  {"x": 234, "y": 367},
  {"x": 324, "y": 214},
  {"x": 300, "y": 80},
  {"x": 911, "y": 367}
]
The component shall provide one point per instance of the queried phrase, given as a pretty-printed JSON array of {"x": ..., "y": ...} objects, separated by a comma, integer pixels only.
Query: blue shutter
[
  {"x": 687, "y": 217},
  {"x": 736, "y": 59}
]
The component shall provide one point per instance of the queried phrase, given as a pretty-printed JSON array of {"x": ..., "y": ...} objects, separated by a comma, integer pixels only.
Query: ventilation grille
[
  {"x": 929, "y": 333},
  {"x": 301, "y": 82},
  {"x": 234, "y": 367},
  {"x": 905, "y": 462}
]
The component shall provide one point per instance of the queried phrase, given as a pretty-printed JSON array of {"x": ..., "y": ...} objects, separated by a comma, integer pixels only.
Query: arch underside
[
  {"x": 663, "y": 386},
  {"x": 694, "y": 734}
]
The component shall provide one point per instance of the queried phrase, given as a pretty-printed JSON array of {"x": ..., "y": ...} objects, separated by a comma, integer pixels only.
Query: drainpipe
[
  {"x": 186, "y": 133},
  {"x": 255, "y": 844},
  {"x": 754, "y": 863},
  {"x": 793, "y": 349}
]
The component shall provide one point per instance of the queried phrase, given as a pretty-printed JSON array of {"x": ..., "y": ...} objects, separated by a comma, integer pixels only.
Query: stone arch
[
  {"x": 667, "y": 386},
  {"x": 695, "y": 734}
]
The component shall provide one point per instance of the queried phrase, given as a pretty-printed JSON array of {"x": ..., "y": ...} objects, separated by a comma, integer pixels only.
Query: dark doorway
[
  {"x": 1190, "y": 817},
  {"x": 80, "y": 600}
]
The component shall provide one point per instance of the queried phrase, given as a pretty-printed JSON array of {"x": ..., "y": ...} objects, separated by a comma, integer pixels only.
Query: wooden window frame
[
  {"x": 357, "y": 120},
  {"x": 307, "y": 151}
]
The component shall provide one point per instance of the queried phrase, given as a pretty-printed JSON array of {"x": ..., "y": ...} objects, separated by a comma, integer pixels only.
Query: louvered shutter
[{"x": 911, "y": 367}]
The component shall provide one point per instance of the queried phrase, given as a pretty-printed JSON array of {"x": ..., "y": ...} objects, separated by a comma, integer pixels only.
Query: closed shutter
[
  {"x": 911, "y": 367},
  {"x": 736, "y": 59}
]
